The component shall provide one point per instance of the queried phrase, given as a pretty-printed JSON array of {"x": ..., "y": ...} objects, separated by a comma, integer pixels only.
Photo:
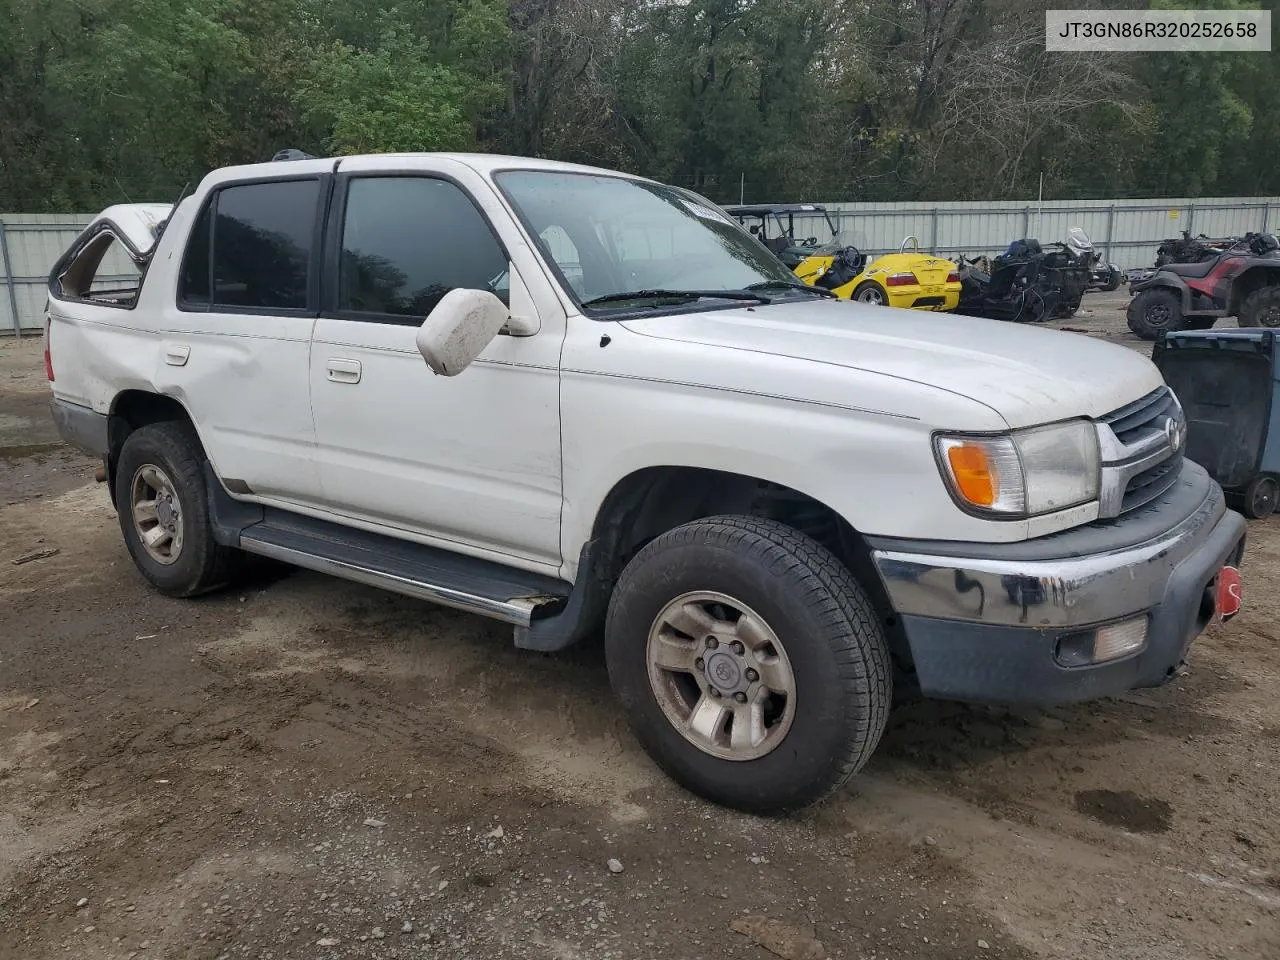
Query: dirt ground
[{"x": 308, "y": 768}]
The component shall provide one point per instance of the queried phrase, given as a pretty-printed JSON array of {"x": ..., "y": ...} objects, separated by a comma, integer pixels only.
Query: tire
[
  {"x": 835, "y": 655},
  {"x": 868, "y": 291},
  {"x": 159, "y": 462},
  {"x": 1261, "y": 308},
  {"x": 1113, "y": 282},
  {"x": 1261, "y": 497},
  {"x": 1153, "y": 312}
]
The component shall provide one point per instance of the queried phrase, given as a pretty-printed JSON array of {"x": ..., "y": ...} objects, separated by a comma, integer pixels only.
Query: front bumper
[{"x": 986, "y": 621}]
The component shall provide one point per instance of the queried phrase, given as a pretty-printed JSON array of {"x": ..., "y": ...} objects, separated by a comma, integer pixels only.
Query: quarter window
[{"x": 407, "y": 241}]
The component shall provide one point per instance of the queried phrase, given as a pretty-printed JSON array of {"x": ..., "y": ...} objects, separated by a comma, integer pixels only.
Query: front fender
[{"x": 1165, "y": 282}]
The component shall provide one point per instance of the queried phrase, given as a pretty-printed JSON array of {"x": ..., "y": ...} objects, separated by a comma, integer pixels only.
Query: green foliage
[
  {"x": 392, "y": 98},
  {"x": 106, "y": 100}
]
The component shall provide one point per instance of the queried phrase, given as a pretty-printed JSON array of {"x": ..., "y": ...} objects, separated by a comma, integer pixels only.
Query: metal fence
[
  {"x": 1127, "y": 231},
  {"x": 30, "y": 244}
]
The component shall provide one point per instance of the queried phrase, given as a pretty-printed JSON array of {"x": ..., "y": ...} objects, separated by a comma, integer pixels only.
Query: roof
[
  {"x": 482, "y": 163},
  {"x": 769, "y": 209}
]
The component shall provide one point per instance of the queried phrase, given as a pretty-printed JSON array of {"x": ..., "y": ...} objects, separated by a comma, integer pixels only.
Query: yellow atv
[{"x": 908, "y": 278}]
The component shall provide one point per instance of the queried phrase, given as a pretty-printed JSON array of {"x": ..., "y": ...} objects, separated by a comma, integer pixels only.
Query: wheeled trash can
[{"x": 1226, "y": 381}]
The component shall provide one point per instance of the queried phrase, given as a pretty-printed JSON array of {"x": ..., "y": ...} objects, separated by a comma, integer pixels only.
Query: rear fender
[{"x": 1254, "y": 275}]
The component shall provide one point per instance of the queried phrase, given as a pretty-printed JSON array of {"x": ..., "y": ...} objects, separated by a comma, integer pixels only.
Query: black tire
[
  {"x": 1113, "y": 281},
  {"x": 201, "y": 564},
  {"x": 834, "y": 642},
  {"x": 1261, "y": 308},
  {"x": 1261, "y": 497},
  {"x": 868, "y": 291},
  {"x": 1153, "y": 312}
]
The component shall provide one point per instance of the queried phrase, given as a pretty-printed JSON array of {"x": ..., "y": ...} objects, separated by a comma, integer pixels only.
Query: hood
[{"x": 1028, "y": 375}]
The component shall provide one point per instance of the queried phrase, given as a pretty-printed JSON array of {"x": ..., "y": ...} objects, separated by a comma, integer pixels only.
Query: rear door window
[
  {"x": 407, "y": 241},
  {"x": 258, "y": 255}
]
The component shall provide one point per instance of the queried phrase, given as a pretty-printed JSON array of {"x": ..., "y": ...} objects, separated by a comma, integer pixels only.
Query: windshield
[
  {"x": 1078, "y": 240},
  {"x": 609, "y": 236},
  {"x": 840, "y": 240}
]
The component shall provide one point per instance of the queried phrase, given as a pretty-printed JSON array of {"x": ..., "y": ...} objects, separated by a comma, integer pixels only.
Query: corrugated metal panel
[{"x": 1129, "y": 230}]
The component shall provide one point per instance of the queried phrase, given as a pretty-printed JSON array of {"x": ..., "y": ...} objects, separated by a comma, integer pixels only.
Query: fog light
[
  {"x": 1119, "y": 639},
  {"x": 1106, "y": 643}
]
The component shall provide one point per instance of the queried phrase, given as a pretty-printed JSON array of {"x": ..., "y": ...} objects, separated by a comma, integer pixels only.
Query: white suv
[{"x": 630, "y": 415}]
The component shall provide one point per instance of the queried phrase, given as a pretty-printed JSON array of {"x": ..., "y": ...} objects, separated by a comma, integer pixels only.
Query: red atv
[{"x": 1242, "y": 281}]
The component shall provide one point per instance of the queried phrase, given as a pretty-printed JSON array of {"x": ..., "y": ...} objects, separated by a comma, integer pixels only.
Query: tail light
[
  {"x": 48, "y": 357},
  {"x": 953, "y": 277},
  {"x": 900, "y": 280}
]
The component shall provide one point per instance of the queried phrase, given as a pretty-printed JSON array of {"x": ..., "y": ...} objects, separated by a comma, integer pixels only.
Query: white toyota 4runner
[{"x": 631, "y": 416}]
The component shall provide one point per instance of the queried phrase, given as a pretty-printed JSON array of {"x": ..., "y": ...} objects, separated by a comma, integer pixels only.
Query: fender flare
[{"x": 1169, "y": 282}]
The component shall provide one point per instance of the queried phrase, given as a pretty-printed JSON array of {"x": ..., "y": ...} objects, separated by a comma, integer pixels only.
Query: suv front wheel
[
  {"x": 751, "y": 665},
  {"x": 162, "y": 502}
]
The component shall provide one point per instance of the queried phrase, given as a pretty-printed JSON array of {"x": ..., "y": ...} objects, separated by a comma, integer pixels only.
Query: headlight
[{"x": 1025, "y": 473}]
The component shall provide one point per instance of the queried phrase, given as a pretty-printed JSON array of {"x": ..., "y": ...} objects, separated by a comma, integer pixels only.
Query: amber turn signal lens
[{"x": 972, "y": 471}]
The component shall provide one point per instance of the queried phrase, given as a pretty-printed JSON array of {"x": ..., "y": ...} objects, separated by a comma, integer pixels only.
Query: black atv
[
  {"x": 1183, "y": 249},
  {"x": 1028, "y": 283},
  {"x": 1242, "y": 281}
]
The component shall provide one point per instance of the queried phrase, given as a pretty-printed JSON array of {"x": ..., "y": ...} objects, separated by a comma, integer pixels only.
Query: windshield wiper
[
  {"x": 791, "y": 285},
  {"x": 677, "y": 295}
]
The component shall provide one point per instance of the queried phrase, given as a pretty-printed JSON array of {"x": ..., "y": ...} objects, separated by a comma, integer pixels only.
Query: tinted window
[
  {"x": 407, "y": 241},
  {"x": 262, "y": 244},
  {"x": 193, "y": 284}
]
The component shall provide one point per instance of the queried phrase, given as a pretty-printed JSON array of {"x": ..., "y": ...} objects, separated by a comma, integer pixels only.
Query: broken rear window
[{"x": 101, "y": 272}]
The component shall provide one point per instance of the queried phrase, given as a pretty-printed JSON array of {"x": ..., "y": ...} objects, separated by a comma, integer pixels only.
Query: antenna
[{"x": 182, "y": 195}]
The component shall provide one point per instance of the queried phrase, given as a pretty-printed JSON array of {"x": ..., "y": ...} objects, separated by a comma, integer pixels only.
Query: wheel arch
[
  {"x": 650, "y": 501},
  {"x": 132, "y": 409},
  {"x": 1251, "y": 280}
]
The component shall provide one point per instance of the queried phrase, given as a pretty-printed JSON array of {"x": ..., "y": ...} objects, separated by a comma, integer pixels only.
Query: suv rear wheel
[
  {"x": 750, "y": 663},
  {"x": 162, "y": 503}
]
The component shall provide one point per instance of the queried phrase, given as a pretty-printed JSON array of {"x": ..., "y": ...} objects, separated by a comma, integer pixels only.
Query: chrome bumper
[{"x": 1083, "y": 579}]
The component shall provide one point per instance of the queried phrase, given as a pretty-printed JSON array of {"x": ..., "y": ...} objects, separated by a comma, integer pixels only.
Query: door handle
[
  {"x": 344, "y": 371},
  {"x": 175, "y": 355}
]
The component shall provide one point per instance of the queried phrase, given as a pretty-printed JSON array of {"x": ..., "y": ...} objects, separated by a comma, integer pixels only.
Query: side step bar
[
  {"x": 514, "y": 610},
  {"x": 548, "y": 614}
]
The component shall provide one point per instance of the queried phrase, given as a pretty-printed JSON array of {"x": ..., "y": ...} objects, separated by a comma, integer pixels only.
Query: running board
[{"x": 400, "y": 566}]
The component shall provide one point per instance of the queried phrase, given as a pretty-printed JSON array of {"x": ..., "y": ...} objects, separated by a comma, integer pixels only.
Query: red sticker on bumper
[{"x": 1229, "y": 593}]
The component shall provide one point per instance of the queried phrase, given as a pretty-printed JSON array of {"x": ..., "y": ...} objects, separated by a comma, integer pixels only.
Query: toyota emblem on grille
[{"x": 1176, "y": 433}]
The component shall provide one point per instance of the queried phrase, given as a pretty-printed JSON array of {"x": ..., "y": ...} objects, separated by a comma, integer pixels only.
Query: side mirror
[{"x": 462, "y": 324}]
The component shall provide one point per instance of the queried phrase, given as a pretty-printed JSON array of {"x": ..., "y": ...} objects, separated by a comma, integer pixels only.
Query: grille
[
  {"x": 1139, "y": 463},
  {"x": 1151, "y": 483},
  {"x": 1135, "y": 422}
]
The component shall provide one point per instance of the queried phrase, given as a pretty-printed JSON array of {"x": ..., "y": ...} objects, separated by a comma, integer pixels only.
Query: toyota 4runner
[{"x": 571, "y": 399}]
